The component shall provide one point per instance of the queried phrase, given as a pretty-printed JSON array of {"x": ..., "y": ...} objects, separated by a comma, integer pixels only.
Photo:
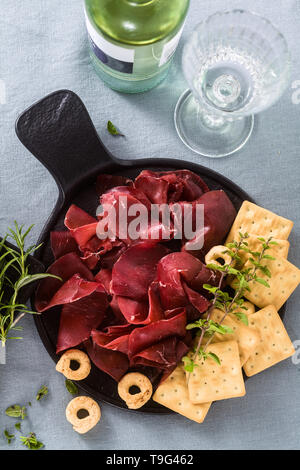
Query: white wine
[{"x": 132, "y": 42}]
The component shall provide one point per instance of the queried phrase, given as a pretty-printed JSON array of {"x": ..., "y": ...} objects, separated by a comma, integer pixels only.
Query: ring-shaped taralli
[
  {"x": 83, "y": 425},
  {"x": 64, "y": 364},
  {"x": 135, "y": 379},
  {"x": 215, "y": 253}
]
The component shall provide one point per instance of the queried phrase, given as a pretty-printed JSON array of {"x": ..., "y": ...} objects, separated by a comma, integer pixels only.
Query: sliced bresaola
[
  {"x": 113, "y": 337},
  {"x": 219, "y": 214},
  {"x": 62, "y": 243},
  {"x": 142, "y": 338},
  {"x": 65, "y": 267},
  {"x": 74, "y": 289},
  {"x": 77, "y": 217},
  {"x": 79, "y": 318},
  {"x": 135, "y": 270},
  {"x": 104, "y": 276},
  {"x": 155, "y": 188},
  {"x": 164, "y": 355},
  {"x": 140, "y": 312},
  {"x": 177, "y": 269},
  {"x": 170, "y": 186},
  {"x": 198, "y": 301},
  {"x": 116, "y": 204},
  {"x": 170, "y": 271},
  {"x": 113, "y": 363}
]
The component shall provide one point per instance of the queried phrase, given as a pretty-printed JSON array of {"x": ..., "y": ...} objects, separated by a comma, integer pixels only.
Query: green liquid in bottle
[{"x": 133, "y": 41}]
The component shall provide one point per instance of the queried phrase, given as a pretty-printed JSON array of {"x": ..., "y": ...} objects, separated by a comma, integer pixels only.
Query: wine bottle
[{"x": 132, "y": 42}]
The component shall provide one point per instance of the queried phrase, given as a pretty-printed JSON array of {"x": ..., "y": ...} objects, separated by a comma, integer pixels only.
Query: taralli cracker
[
  {"x": 280, "y": 250},
  {"x": 285, "y": 277},
  {"x": 255, "y": 219},
  {"x": 87, "y": 404},
  {"x": 246, "y": 337},
  {"x": 210, "y": 381},
  {"x": 173, "y": 394},
  {"x": 79, "y": 357},
  {"x": 135, "y": 379},
  {"x": 274, "y": 345},
  {"x": 217, "y": 252}
]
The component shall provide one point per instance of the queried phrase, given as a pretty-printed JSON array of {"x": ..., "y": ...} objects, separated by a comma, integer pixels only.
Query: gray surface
[{"x": 44, "y": 48}]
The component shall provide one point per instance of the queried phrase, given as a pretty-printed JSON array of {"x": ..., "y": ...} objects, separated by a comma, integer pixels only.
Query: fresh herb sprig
[
  {"x": 31, "y": 441},
  {"x": 11, "y": 311},
  {"x": 222, "y": 300}
]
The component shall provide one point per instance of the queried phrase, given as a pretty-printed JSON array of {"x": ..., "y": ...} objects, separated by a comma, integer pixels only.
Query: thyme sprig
[
  {"x": 223, "y": 300},
  {"x": 15, "y": 260}
]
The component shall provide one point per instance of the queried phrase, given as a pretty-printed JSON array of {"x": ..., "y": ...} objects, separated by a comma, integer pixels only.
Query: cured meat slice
[
  {"x": 76, "y": 217},
  {"x": 170, "y": 186},
  {"x": 142, "y": 338},
  {"x": 62, "y": 243},
  {"x": 170, "y": 271},
  {"x": 198, "y": 301},
  {"x": 136, "y": 269},
  {"x": 79, "y": 318},
  {"x": 113, "y": 363},
  {"x": 219, "y": 214},
  {"x": 164, "y": 355},
  {"x": 114, "y": 337},
  {"x": 65, "y": 267},
  {"x": 74, "y": 289},
  {"x": 139, "y": 312}
]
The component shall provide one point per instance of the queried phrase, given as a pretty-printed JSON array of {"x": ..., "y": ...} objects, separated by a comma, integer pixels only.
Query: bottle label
[
  {"x": 139, "y": 60},
  {"x": 170, "y": 48},
  {"x": 113, "y": 56}
]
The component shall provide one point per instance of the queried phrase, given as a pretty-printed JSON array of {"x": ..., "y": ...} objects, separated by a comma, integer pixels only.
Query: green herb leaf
[
  {"x": 31, "y": 442},
  {"x": 18, "y": 426},
  {"x": 9, "y": 437},
  {"x": 112, "y": 129},
  {"x": 16, "y": 411},
  {"x": 243, "y": 317},
  {"x": 71, "y": 387},
  {"x": 43, "y": 391},
  {"x": 262, "y": 281},
  {"x": 189, "y": 364},
  {"x": 214, "y": 357}
]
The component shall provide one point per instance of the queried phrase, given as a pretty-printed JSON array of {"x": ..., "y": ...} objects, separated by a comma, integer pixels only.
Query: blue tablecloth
[{"x": 43, "y": 47}]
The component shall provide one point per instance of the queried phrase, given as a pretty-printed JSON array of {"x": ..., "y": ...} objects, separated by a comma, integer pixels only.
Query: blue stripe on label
[{"x": 115, "y": 64}]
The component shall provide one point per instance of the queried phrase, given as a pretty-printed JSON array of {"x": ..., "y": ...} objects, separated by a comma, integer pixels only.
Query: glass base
[{"x": 209, "y": 136}]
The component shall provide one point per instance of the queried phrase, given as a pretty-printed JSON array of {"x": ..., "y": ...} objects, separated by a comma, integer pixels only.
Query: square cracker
[
  {"x": 255, "y": 219},
  {"x": 173, "y": 394},
  {"x": 247, "y": 338},
  {"x": 210, "y": 381},
  {"x": 280, "y": 250},
  {"x": 285, "y": 278},
  {"x": 275, "y": 344}
]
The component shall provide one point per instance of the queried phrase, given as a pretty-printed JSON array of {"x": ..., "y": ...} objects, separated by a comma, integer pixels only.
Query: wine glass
[{"x": 236, "y": 64}]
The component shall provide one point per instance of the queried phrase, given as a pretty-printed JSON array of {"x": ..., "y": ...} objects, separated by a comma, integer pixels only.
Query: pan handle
[{"x": 59, "y": 132}]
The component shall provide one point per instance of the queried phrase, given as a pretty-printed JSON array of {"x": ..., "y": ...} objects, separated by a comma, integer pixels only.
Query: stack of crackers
[{"x": 253, "y": 348}]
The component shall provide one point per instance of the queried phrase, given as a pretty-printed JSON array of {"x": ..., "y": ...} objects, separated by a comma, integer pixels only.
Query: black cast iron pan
[{"x": 58, "y": 131}]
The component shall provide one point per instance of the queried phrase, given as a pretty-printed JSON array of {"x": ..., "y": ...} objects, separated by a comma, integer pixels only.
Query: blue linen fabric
[{"x": 44, "y": 48}]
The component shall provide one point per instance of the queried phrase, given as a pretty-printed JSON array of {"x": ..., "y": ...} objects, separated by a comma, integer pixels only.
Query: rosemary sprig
[
  {"x": 222, "y": 300},
  {"x": 11, "y": 311}
]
